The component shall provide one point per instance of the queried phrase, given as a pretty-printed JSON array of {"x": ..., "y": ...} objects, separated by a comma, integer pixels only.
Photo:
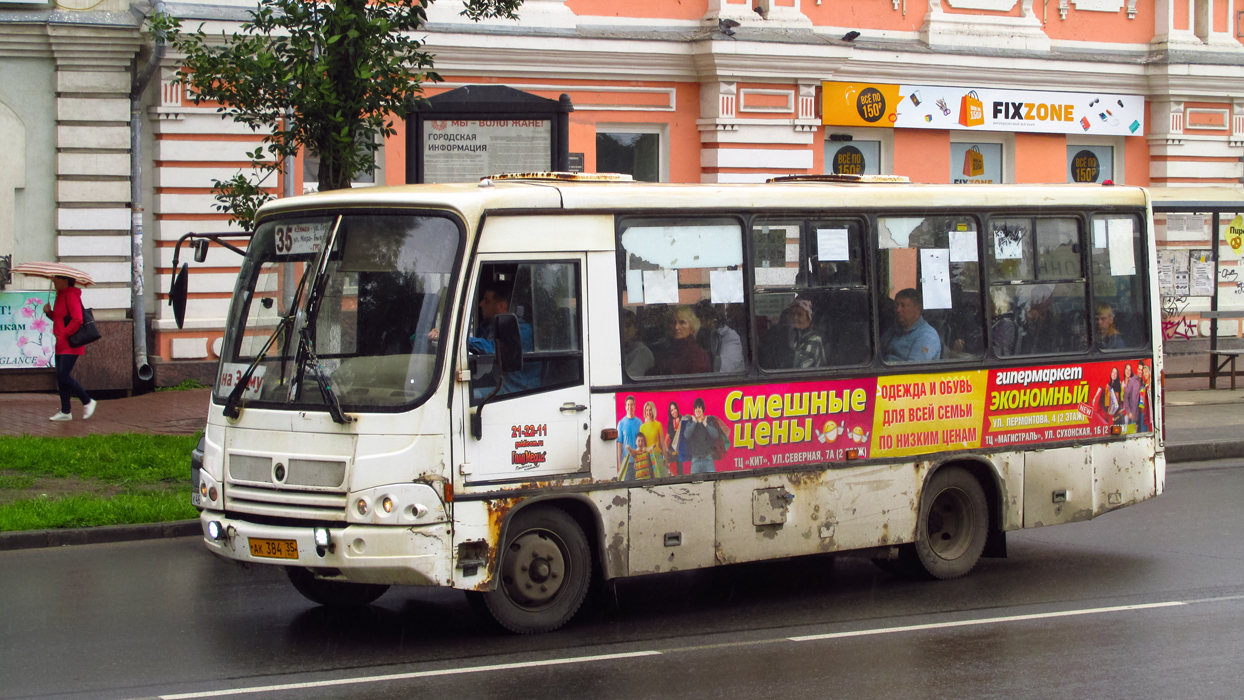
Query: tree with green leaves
[{"x": 321, "y": 76}]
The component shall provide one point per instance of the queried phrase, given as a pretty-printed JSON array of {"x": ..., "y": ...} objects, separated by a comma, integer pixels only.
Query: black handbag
[{"x": 87, "y": 333}]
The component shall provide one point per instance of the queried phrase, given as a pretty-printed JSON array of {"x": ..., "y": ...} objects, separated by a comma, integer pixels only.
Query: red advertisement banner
[{"x": 671, "y": 433}]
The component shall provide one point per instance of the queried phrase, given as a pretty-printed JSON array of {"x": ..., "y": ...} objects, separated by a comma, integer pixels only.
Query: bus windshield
[{"x": 382, "y": 293}]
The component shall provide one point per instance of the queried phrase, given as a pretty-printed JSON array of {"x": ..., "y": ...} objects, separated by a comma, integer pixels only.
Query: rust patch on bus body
[{"x": 498, "y": 510}]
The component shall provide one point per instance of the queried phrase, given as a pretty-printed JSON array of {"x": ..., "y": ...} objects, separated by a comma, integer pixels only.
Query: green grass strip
[
  {"x": 123, "y": 458},
  {"x": 92, "y": 511}
]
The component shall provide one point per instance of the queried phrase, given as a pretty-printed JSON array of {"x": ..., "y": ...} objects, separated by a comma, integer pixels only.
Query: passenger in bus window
[
  {"x": 725, "y": 348},
  {"x": 794, "y": 343},
  {"x": 682, "y": 354},
  {"x": 637, "y": 356},
  {"x": 1108, "y": 337},
  {"x": 911, "y": 338},
  {"x": 1003, "y": 332},
  {"x": 496, "y": 300}
]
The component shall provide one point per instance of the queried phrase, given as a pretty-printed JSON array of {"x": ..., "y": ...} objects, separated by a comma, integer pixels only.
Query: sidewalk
[
  {"x": 161, "y": 412},
  {"x": 1201, "y": 425}
]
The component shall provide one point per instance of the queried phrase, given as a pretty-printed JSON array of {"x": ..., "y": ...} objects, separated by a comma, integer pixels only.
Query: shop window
[
  {"x": 811, "y": 304},
  {"x": 853, "y": 157},
  {"x": 1090, "y": 163},
  {"x": 1038, "y": 290},
  {"x": 929, "y": 272},
  {"x": 633, "y": 153},
  {"x": 684, "y": 309},
  {"x": 975, "y": 163},
  {"x": 1120, "y": 320}
]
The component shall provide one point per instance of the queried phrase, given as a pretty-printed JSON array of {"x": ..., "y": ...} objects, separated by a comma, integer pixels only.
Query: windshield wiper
[
  {"x": 322, "y": 381},
  {"x": 232, "y": 410},
  {"x": 306, "y": 333}
]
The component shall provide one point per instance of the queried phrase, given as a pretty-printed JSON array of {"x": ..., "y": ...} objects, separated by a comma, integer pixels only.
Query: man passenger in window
[
  {"x": 682, "y": 354},
  {"x": 637, "y": 356},
  {"x": 911, "y": 338},
  {"x": 1108, "y": 337},
  {"x": 725, "y": 348},
  {"x": 496, "y": 300}
]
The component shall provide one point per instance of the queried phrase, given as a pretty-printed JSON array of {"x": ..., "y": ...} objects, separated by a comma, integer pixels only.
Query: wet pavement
[
  {"x": 1156, "y": 590},
  {"x": 162, "y": 412}
]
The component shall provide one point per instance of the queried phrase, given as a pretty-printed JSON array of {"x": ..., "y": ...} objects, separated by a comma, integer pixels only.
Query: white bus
[{"x": 519, "y": 386}]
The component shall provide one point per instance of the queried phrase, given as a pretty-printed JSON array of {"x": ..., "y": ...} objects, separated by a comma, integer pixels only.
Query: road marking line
[
  {"x": 986, "y": 621},
  {"x": 406, "y": 676}
]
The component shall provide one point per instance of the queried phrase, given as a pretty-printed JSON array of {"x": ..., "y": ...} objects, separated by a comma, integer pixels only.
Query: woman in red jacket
[{"x": 66, "y": 320}]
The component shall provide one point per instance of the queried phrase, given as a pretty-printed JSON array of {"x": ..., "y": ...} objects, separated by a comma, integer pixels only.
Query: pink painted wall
[{"x": 922, "y": 155}]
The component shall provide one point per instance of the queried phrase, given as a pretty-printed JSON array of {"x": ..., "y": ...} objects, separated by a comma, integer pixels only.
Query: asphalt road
[{"x": 1142, "y": 603}]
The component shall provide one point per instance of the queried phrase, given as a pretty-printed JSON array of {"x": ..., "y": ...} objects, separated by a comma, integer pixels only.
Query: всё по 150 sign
[{"x": 982, "y": 109}]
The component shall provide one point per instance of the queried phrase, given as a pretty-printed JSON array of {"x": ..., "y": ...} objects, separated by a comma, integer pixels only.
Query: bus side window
[
  {"x": 812, "y": 307},
  {"x": 683, "y": 308},
  {"x": 1038, "y": 291},
  {"x": 1120, "y": 320},
  {"x": 930, "y": 301}
]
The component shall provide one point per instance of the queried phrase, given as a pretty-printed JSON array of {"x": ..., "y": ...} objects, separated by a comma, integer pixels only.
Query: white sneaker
[
  {"x": 88, "y": 410},
  {"x": 62, "y": 416}
]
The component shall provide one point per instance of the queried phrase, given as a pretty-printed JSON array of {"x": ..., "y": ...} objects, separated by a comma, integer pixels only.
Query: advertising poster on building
[
  {"x": 26, "y": 339},
  {"x": 1090, "y": 163},
  {"x": 981, "y": 109},
  {"x": 460, "y": 150},
  {"x": 853, "y": 157},
  {"x": 674, "y": 433}
]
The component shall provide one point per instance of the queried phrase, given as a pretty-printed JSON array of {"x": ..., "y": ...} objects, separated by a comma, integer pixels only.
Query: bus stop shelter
[{"x": 1223, "y": 206}]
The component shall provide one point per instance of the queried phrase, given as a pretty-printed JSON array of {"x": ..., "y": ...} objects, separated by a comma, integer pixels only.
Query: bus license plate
[{"x": 274, "y": 549}]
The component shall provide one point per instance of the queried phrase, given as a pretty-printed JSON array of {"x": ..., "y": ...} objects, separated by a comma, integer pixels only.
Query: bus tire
[
  {"x": 953, "y": 524},
  {"x": 543, "y": 572},
  {"x": 333, "y": 594}
]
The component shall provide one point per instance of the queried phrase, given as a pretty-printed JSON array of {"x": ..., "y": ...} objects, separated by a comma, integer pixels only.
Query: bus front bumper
[{"x": 418, "y": 555}]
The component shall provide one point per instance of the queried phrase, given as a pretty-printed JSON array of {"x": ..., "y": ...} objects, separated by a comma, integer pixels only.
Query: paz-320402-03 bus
[{"x": 514, "y": 386}]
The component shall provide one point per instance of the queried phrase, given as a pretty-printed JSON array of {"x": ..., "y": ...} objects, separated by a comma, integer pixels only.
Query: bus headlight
[
  {"x": 361, "y": 506},
  {"x": 214, "y": 530},
  {"x": 386, "y": 504},
  {"x": 396, "y": 504}
]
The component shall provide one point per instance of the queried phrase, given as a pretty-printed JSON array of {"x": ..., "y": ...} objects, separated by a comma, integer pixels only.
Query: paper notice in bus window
[
  {"x": 634, "y": 286},
  {"x": 661, "y": 286},
  {"x": 1099, "y": 233},
  {"x": 1122, "y": 253},
  {"x": 831, "y": 244},
  {"x": 231, "y": 373},
  {"x": 935, "y": 277},
  {"x": 962, "y": 246},
  {"x": 1008, "y": 244},
  {"x": 776, "y": 276},
  {"x": 726, "y": 286}
]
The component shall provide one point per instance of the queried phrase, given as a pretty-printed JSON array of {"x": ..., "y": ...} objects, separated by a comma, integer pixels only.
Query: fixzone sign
[{"x": 981, "y": 109}]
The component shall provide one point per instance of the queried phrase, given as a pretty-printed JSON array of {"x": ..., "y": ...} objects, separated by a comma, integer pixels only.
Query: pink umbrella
[{"x": 50, "y": 270}]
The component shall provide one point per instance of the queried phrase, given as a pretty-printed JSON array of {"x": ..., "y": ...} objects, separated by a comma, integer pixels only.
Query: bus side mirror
[
  {"x": 200, "y": 250},
  {"x": 177, "y": 294},
  {"x": 509, "y": 342}
]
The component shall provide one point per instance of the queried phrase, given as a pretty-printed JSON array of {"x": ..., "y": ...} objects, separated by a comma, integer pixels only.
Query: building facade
[{"x": 715, "y": 91}]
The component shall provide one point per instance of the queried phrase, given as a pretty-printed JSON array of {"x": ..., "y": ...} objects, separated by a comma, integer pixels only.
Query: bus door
[{"x": 537, "y": 422}]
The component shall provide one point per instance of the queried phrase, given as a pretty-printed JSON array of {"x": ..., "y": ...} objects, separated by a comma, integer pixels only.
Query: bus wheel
[
  {"x": 334, "y": 594},
  {"x": 953, "y": 524},
  {"x": 544, "y": 571}
]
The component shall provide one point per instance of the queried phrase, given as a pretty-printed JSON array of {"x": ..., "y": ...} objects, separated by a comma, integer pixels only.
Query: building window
[
  {"x": 976, "y": 163},
  {"x": 853, "y": 157},
  {"x": 638, "y": 150},
  {"x": 1090, "y": 163}
]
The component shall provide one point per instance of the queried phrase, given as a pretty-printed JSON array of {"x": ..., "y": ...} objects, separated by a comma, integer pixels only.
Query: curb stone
[
  {"x": 34, "y": 539},
  {"x": 1204, "y": 451}
]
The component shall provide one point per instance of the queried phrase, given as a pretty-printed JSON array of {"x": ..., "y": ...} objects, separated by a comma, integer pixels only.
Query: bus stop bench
[{"x": 1220, "y": 359}]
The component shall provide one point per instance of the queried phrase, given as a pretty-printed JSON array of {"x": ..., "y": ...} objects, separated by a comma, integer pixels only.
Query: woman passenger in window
[
  {"x": 725, "y": 348},
  {"x": 807, "y": 346},
  {"x": 682, "y": 354}
]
